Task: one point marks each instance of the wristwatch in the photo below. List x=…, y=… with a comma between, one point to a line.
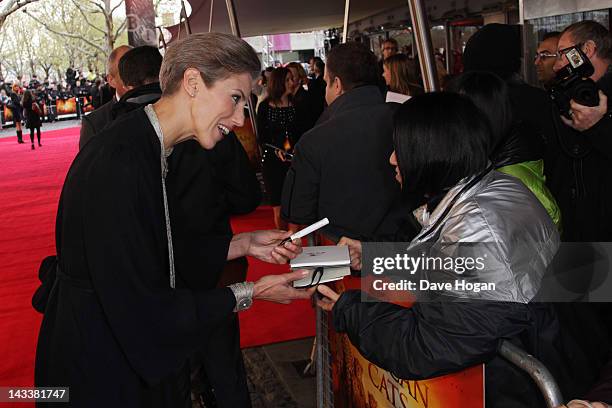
x=243, y=292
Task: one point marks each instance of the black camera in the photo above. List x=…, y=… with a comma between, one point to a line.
x=573, y=82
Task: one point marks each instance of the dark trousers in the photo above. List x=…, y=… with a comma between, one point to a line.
x=37, y=134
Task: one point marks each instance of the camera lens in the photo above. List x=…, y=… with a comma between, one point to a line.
x=585, y=93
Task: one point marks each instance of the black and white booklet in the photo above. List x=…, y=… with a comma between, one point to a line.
x=325, y=263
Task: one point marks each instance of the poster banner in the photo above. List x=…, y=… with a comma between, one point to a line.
x=246, y=135
x=358, y=383
x=66, y=106
x=141, y=22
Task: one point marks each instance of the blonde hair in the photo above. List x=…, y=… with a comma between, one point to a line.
x=215, y=55
x=403, y=75
x=300, y=69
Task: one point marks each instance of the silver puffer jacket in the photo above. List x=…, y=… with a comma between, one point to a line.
x=500, y=220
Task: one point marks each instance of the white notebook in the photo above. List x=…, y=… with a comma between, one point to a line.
x=315, y=256
x=334, y=260
x=396, y=97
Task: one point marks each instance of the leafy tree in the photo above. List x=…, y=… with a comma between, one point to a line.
x=8, y=7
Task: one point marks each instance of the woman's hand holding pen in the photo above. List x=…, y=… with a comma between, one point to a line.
x=264, y=245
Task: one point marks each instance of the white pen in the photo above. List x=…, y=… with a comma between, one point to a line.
x=302, y=233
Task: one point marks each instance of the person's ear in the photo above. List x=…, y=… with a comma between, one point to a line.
x=589, y=48
x=110, y=78
x=191, y=81
x=337, y=85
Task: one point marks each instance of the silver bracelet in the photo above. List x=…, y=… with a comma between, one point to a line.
x=243, y=292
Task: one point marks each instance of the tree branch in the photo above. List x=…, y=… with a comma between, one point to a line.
x=116, y=7
x=69, y=35
x=98, y=5
x=11, y=8
x=14, y=7
x=78, y=7
x=121, y=28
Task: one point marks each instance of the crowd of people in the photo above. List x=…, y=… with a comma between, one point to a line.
x=34, y=102
x=137, y=294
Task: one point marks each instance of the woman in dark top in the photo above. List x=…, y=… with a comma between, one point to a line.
x=307, y=115
x=119, y=323
x=32, y=112
x=15, y=106
x=279, y=131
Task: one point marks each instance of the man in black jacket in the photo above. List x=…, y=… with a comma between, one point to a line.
x=98, y=119
x=341, y=167
x=316, y=87
x=579, y=158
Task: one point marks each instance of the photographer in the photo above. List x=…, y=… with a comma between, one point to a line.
x=81, y=91
x=34, y=83
x=51, y=102
x=579, y=158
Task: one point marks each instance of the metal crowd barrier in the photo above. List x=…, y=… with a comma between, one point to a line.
x=536, y=370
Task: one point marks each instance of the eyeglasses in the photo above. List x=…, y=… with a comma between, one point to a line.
x=544, y=55
x=564, y=51
x=389, y=49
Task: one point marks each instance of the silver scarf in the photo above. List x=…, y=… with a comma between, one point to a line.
x=164, y=171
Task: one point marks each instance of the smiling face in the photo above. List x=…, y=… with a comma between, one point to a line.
x=218, y=109
x=545, y=60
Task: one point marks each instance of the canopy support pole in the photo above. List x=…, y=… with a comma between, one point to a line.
x=448, y=42
x=210, y=18
x=347, y=9
x=186, y=17
x=231, y=13
x=422, y=34
x=161, y=39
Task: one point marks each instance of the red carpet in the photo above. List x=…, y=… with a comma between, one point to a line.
x=30, y=184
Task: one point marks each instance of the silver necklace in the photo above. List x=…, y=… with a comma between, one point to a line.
x=164, y=172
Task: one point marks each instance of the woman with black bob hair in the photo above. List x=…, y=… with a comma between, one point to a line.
x=432, y=159
x=441, y=143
